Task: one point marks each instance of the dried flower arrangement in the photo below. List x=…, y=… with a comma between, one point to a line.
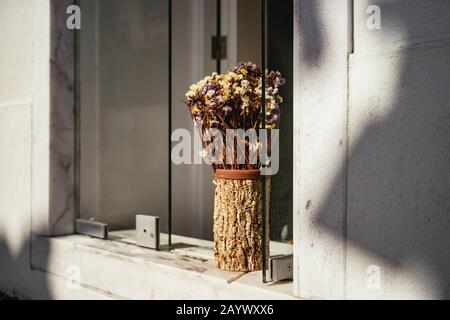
x=233, y=101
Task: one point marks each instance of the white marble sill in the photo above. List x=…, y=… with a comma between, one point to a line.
x=119, y=269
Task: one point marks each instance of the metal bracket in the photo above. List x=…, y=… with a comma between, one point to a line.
x=147, y=231
x=92, y=228
x=219, y=48
x=281, y=267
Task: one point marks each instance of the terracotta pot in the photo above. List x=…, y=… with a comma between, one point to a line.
x=238, y=220
x=237, y=174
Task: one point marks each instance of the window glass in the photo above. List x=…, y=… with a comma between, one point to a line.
x=123, y=110
x=124, y=114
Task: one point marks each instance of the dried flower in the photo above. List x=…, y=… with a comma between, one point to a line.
x=233, y=101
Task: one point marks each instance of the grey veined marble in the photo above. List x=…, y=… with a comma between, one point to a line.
x=53, y=120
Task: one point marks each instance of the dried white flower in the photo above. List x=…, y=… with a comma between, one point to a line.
x=254, y=146
x=203, y=153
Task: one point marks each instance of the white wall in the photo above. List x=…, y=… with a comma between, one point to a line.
x=16, y=276
x=15, y=141
x=399, y=146
x=320, y=105
x=378, y=209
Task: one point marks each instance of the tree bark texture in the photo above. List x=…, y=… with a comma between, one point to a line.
x=238, y=224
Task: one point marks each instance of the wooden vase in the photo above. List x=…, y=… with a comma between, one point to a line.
x=238, y=220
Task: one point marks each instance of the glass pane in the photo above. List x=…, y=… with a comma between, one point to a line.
x=279, y=57
x=123, y=113
x=239, y=25
x=124, y=108
x=239, y=22
x=192, y=188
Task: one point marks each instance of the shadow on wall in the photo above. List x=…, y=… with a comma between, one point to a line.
x=398, y=174
x=15, y=271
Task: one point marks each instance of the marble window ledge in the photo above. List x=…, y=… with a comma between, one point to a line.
x=119, y=269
